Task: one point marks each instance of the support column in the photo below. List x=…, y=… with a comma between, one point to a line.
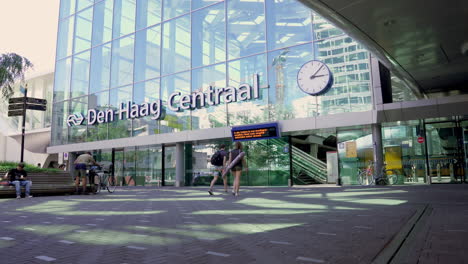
x=378, y=148
x=180, y=168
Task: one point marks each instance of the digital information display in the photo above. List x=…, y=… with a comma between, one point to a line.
x=255, y=132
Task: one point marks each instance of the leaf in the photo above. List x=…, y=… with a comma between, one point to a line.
x=12, y=69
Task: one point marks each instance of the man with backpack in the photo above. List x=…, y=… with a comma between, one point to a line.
x=217, y=160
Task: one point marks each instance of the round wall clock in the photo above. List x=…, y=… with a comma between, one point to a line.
x=314, y=78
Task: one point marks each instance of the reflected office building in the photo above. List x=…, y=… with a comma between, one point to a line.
x=155, y=86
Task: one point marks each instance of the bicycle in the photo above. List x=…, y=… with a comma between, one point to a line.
x=103, y=180
x=385, y=177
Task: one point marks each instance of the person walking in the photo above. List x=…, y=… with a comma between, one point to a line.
x=218, y=160
x=236, y=164
x=19, y=177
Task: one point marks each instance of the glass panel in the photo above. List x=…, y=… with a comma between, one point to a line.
x=80, y=74
x=146, y=92
x=174, y=8
x=99, y=102
x=196, y=4
x=445, y=152
x=147, y=55
x=355, y=152
x=209, y=116
x=351, y=76
x=142, y=168
x=65, y=37
x=288, y=23
x=287, y=100
x=62, y=80
x=102, y=22
x=155, y=165
x=324, y=29
x=243, y=71
x=122, y=61
x=246, y=28
x=208, y=36
x=100, y=68
x=67, y=7
x=129, y=167
x=402, y=152
x=148, y=13
x=119, y=166
x=82, y=4
x=77, y=134
x=120, y=128
x=59, y=123
x=124, y=18
x=175, y=121
x=169, y=166
x=176, y=45
x=83, y=30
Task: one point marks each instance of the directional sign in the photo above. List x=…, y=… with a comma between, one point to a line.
x=36, y=107
x=16, y=100
x=32, y=100
x=15, y=106
x=15, y=113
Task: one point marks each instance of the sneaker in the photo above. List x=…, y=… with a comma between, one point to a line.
x=18, y=197
x=210, y=192
x=237, y=194
x=233, y=193
x=29, y=196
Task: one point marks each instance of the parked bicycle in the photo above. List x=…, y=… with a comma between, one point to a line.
x=103, y=179
x=368, y=176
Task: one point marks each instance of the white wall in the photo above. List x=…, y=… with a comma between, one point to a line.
x=10, y=150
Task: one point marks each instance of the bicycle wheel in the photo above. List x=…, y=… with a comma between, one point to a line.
x=363, y=178
x=111, y=182
x=392, y=177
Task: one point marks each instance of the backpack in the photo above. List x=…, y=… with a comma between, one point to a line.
x=217, y=159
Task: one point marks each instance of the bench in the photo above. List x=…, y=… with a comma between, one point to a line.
x=44, y=183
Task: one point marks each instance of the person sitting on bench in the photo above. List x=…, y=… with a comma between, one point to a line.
x=19, y=177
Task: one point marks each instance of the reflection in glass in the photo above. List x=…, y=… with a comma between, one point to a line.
x=175, y=121
x=146, y=92
x=65, y=37
x=324, y=29
x=176, y=45
x=209, y=116
x=102, y=22
x=122, y=61
x=80, y=74
x=174, y=8
x=287, y=100
x=124, y=18
x=67, y=8
x=100, y=68
x=83, y=30
x=99, y=102
x=169, y=165
x=81, y=4
x=246, y=28
x=120, y=128
x=62, y=80
x=196, y=4
x=77, y=134
x=208, y=36
x=148, y=13
x=147, y=54
x=129, y=169
x=243, y=71
x=59, y=129
x=289, y=23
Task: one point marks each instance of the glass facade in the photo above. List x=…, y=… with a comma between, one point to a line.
x=112, y=52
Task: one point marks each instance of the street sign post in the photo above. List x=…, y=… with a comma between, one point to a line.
x=17, y=107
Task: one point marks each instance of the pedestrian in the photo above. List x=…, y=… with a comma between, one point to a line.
x=81, y=164
x=19, y=177
x=218, y=160
x=236, y=164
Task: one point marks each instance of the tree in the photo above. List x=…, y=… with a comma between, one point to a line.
x=12, y=69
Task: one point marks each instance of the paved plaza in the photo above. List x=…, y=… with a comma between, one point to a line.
x=326, y=224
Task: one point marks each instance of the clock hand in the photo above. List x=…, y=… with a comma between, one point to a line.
x=317, y=71
x=315, y=76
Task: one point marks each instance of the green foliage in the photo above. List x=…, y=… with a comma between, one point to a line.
x=12, y=69
x=8, y=165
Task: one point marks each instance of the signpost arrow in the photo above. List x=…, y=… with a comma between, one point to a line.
x=15, y=113
x=16, y=100
x=15, y=106
x=38, y=101
x=36, y=107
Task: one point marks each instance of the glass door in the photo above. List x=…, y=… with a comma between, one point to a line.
x=446, y=153
x=169, y=165
x=464, y=127
x=118, y=161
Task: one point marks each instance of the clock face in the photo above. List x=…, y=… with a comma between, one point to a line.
x=314, y=78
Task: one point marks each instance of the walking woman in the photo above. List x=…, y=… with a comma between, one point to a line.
x=237, y=163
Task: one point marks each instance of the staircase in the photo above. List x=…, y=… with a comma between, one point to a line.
x=306, y=169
